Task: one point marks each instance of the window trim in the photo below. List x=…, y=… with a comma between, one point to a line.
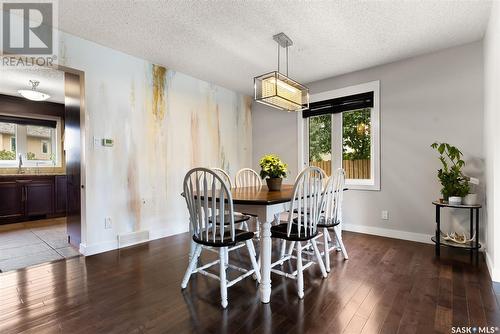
x=37, y=163
x=303, y=131
x=13, y=144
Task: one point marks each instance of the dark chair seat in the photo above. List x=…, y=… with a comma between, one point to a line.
x=280, y=231
x=328, y=223
x=239, y=236
x=238, y=218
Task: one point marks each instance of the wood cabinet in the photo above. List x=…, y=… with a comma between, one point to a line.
x=25, y=197
x=11, y=204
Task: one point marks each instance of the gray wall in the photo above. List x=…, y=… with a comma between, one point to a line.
x=434, y=97
x=492, y=139
x=274, y=131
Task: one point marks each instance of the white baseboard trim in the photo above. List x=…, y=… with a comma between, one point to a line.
x=390, y=233
x=494, y=273
x=91, y=249
x=106, y=246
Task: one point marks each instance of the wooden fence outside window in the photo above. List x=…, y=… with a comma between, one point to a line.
x=354, y=169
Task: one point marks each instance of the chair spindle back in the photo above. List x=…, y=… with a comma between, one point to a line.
x=247, y=177
x=208, y=196
x=307, y=202
x=334, y=192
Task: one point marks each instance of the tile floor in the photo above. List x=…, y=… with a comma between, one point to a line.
x=34, y=243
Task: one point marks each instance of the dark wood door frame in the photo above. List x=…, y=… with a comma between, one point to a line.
x=74, y=92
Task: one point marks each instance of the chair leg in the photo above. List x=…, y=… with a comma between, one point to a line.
x=192, y=248
x=300, y=272
x=319, y=258
x=222, y=275
x=192, y=266
x=290, y=249
x=326, y=248
x=251, y=251
x=283, y=249
x=226, y=258
x=338, y=236
x=257, y=228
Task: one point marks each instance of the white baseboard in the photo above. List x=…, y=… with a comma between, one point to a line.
x=390, y=233
x=91, y=249
x=494, y=272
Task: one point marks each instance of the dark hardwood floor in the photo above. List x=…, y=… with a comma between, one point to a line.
x=387, y=286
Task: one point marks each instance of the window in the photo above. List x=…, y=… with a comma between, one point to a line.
x=36, y=140
x=45, y=147
x=341, y=129
x=7, y=141
x=13, y=144
x=356, y=144
x=320, y=142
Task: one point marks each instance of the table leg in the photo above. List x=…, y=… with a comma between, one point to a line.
x=477, y=236
x=265, y=256
x=438, y=230
x=471, y=232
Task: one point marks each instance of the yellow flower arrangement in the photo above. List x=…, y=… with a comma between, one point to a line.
x=272, y=167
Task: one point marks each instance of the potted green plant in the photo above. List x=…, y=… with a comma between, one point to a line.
x=455, y=184
x=273, y=170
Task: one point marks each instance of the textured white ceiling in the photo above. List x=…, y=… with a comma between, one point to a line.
x=230, y=42
x=51, y=81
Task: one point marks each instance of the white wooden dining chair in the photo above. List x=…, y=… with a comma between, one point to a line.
x=331, y=218
x=212, y=223
x=240, y=217
x=224, y=175
x=301, y=226
x=247, y=177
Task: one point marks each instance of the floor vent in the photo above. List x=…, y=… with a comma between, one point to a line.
x=133, y=238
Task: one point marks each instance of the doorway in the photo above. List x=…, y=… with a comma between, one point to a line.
x=40, y=167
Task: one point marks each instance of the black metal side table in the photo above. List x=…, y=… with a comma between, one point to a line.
x=473, y=245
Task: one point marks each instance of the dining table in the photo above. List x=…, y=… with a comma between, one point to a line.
x=266, y=205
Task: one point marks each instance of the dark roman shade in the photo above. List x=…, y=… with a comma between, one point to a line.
x=28, y=121
x=340, y=104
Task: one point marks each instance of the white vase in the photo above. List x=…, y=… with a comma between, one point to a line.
x=470, y=199
x=455, y=200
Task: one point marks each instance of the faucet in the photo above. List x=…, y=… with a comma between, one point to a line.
x=19, y=169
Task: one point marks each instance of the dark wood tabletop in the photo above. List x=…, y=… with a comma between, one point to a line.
x=262, y=195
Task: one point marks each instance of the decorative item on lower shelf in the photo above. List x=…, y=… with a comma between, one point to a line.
x=273, y=170
x=457, y=238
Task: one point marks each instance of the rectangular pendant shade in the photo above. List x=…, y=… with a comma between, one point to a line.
x=279, y=91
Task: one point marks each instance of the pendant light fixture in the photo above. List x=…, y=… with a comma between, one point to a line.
x=276, y=89
x=32, y=94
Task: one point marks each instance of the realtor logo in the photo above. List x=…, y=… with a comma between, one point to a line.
x=27, y=28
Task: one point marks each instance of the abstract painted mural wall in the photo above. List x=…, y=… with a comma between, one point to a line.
x=163, y=123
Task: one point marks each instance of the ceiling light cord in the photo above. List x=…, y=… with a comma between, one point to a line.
x=286, y=58
x=278, y=58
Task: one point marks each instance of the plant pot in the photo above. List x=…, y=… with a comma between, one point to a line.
x=470, y=199
x=274, y=184
x=455, y=200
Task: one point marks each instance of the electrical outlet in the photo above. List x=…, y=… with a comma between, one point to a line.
x=385, y=215
x=107, y=223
